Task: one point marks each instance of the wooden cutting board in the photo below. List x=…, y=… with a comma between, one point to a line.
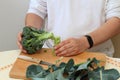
x=19, y=68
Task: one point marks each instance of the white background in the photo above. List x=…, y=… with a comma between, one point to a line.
x=12, y=14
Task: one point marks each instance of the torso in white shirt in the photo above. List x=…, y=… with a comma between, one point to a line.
x=75, y=18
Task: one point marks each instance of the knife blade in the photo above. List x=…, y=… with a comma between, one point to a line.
x=35, y=60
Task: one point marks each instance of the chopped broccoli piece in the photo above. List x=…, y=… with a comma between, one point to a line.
x=33, y=39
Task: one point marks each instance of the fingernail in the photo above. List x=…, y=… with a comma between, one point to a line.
x=24, y=51
x=55, y=47
x=20, y=47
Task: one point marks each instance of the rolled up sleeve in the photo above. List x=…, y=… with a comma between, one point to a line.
x=38, y=7
x=112, y=8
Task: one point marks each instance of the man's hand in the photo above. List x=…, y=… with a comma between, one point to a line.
x=19, y=39
x=72, y=46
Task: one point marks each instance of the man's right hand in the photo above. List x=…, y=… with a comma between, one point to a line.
x=19, y=39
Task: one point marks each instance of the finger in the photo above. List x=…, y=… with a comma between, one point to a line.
x=19, y=42
x=69, y=52
x=63, y=48
x=61, y=44
x=64, y=52
x=73, y=53
x=24, y=51
x=68, y=55
x=19, y=36
x=20, y=47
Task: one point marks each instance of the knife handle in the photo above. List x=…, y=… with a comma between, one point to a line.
x=31, y=59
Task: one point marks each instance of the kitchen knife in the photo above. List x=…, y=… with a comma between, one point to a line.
x=35, y=60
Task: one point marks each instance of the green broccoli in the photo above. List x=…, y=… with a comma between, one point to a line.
x=34, y=39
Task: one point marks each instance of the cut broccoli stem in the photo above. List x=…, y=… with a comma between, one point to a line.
x=56, y=40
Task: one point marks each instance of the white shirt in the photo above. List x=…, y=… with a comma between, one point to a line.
x=75, y=18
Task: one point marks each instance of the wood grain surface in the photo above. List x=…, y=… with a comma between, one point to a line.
x=18, y=70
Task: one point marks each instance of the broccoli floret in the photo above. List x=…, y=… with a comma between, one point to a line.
x=34, y=39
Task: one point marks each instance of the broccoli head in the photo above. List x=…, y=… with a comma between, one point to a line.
x=34, y=39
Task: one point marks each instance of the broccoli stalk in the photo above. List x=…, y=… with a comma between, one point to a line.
x=33, y=39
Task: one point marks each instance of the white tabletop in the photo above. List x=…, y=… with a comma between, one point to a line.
x=7, y=59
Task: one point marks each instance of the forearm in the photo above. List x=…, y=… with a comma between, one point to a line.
x=33, y=20
x=106, y=31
